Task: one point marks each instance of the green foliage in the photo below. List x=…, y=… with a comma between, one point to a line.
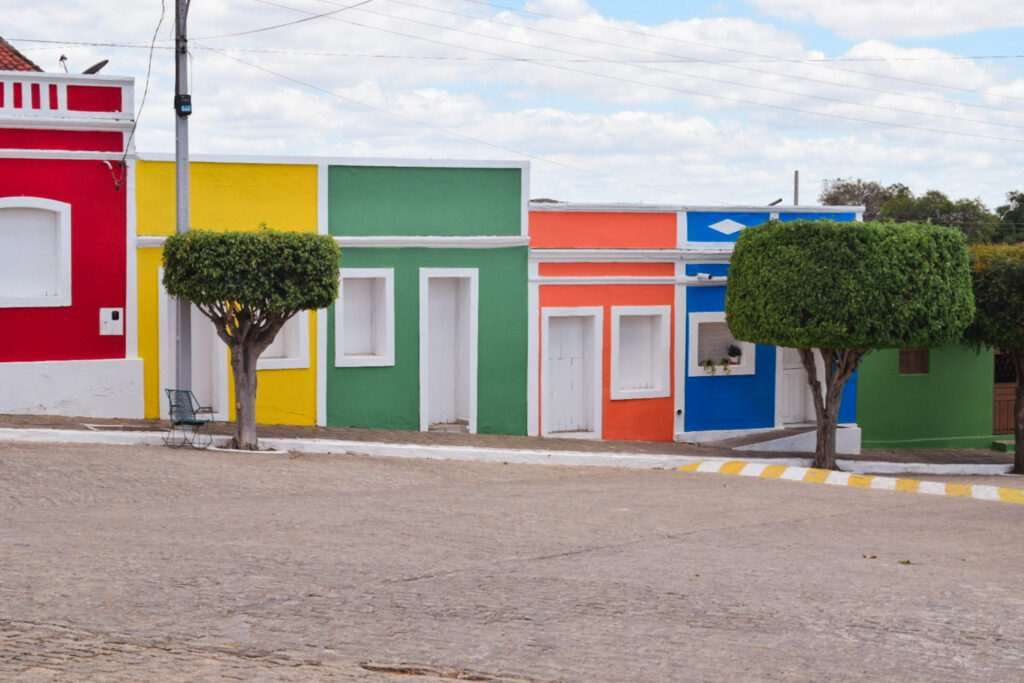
x=270, y=271
x=867, y=193
x=1011, y=218
x=997, y=272
x=822, y=284
x=970, y=216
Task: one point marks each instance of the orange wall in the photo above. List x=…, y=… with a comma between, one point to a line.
x=607, y=269
x=646, y=419
x=585, y=230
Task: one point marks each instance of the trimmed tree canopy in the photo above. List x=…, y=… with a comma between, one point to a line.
x=265, y=269
x=822, y=284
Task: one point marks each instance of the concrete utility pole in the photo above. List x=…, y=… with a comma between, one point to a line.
x=182, y=109
x=796, y=188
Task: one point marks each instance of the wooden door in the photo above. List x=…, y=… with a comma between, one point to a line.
x=568, y=396
x=1005, y=394
x=797, y=406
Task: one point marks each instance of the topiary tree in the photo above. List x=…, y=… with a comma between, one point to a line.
x=837, y=290
x=997, y=272
x=250, y=284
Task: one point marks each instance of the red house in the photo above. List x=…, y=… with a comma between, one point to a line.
x=66, y=243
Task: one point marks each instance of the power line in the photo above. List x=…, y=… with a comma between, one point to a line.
x=648, y=34
x=906, y=126
x=699, y=60
x=440, y=129
x=287, y=23
x=149, y=71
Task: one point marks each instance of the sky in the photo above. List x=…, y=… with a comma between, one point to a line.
x=652, y=101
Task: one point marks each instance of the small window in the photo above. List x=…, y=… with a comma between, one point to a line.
x=714, y=351
x=913, y=361
x=364, y=318
x=35, y=253
x=640, y=352
x=290, y=348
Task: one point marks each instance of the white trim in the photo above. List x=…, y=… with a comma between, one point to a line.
x=693, y=367
x=131, y=303
x=714, y=280
x=61, y=154
x=719, y=247
x=778, y=387
x=322, y=224
x=336, y=161
x=150, y=241
x=679, y=369
x=597, y=349
x=90, y=124
x=64, y=263
x=297, y=328
x=682, y=225
x=524, y=201
x=387, y=355
x=473, y=275
x=105, y=388
x=433, y=241
x=532, y=353
x=672, y=208
x=660, y=357
x=696, y=252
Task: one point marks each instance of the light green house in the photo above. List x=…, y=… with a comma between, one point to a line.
x=430, y=327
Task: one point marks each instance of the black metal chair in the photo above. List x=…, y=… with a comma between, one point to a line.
x=187, y=425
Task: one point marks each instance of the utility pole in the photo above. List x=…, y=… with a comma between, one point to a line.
x=796, y=188
x=182, y=110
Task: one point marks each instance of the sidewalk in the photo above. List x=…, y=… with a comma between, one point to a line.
x=493, y=447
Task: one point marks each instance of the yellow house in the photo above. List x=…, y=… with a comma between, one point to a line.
x=225, y=195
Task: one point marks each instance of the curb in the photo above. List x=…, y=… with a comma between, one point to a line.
x=833, y=478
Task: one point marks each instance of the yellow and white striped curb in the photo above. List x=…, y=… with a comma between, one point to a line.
x=752, y=469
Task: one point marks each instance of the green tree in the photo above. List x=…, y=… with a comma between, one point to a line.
x=867, y=193
x=250, y=284
x=970, y=216
x=835, y=291
x=1011, y=218
x=997, y=273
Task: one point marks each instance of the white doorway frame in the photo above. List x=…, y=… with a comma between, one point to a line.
x=810, y=417
x=596, y=315
x=473, y=275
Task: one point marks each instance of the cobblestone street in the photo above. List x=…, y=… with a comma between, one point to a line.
x=145, y=563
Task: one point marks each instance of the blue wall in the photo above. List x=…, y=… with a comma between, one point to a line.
x=842, y=217
x=727, y=401
x=697, y=223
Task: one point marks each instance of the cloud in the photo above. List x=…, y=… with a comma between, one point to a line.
x=885, y=19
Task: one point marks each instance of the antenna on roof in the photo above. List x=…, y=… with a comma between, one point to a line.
x=95, y=68
x=64, y=62
x=777, y=201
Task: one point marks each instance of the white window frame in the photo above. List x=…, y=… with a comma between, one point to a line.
x=660, y=363
x=63, y=210
x=295, y=335
x=694, y=369
x=387, y=355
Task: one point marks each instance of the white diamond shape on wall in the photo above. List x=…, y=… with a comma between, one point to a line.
x=727, y=227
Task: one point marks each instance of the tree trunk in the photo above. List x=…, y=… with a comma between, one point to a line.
x=839, y=365
x=243, y=365
x=1018, y=416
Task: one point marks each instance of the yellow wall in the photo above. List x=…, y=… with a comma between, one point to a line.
x=227, y=197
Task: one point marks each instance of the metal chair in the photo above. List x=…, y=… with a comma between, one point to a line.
x=187, y=427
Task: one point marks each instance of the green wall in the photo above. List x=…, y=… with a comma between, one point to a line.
x=388, y=397
x=949, y=407
x=388, y=200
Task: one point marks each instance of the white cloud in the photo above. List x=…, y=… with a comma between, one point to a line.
x=703, y=111
x=886, y=19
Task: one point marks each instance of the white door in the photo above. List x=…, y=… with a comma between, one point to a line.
x=568, y=398
x=449, y=349
x=796, y=402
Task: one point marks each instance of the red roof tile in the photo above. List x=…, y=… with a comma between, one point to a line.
x=12, y=60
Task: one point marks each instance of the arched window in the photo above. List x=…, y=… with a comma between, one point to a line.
x=35, y=252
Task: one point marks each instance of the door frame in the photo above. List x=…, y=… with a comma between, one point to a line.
x=473, y=275
x=596, y=315
x=819, y=363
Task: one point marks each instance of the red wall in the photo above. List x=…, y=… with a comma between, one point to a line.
x=98, y=225
x=584, y=229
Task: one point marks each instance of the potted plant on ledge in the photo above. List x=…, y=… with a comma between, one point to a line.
x=735, y=354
